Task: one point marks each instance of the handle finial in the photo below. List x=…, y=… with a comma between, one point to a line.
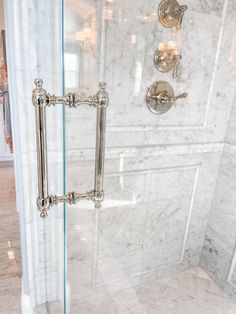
x=38, y=83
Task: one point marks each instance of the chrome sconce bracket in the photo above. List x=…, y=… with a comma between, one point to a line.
x=41, y=99
x=167, y=60
x=160, y=97
x=171, y=13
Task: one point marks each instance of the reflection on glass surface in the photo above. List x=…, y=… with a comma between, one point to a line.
x=71, y=67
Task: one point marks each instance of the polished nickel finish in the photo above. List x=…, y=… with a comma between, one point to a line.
x=160, y=97
x=171, y=13
x=71, y=100
x=39, y=95
x=100, y=143
x=167, y=60
x=41, y=99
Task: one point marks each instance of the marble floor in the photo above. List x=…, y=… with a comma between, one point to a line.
x=10, y=266
x=189, y=292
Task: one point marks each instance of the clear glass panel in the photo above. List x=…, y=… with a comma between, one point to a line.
x=163, y=174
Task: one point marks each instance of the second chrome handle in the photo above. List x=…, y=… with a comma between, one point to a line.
x=160, y=97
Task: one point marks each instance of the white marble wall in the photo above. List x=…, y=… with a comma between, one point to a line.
x=144, y=228
x=33, y=31
x=219, y=255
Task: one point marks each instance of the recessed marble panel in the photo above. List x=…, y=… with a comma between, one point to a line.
x=171, y=184
x=120, y=242
x=80, y=250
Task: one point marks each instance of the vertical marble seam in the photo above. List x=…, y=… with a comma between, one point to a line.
x=95, y=246
x=195, y=184
x=102, y=30
x=217, y=56
x=232, y=269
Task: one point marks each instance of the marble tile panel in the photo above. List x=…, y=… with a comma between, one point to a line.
x=206, y=6
x=171, y=184
x=215, y=258
x=80, y=251
x=223, y=218
x=120, y=242
x=205, y=120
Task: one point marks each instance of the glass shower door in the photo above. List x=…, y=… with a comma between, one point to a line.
x=160, y=170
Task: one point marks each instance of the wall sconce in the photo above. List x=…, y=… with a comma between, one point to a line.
x=171, y=13
x=167, y=58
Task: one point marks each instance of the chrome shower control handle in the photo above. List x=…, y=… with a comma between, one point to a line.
x=167, y=60
x=171, y=13
x=176, y=66
x=183, y=95
x=160, y=97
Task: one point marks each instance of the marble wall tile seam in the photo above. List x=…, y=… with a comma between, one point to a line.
x=217, y=58
x=153, y=170
x=129, y=151
x=232, y=270
x=191, y=207
x=144, y=128
x=154, y=150
x=138, y=274
x=229, y=148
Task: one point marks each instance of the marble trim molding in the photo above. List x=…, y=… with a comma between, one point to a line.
x=195, y=167
x=6, y=158
x=130, y=151
x=155, y=150
x=229, y=148
x=232, y=270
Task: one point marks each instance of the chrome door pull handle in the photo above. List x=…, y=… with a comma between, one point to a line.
x=41, y=99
